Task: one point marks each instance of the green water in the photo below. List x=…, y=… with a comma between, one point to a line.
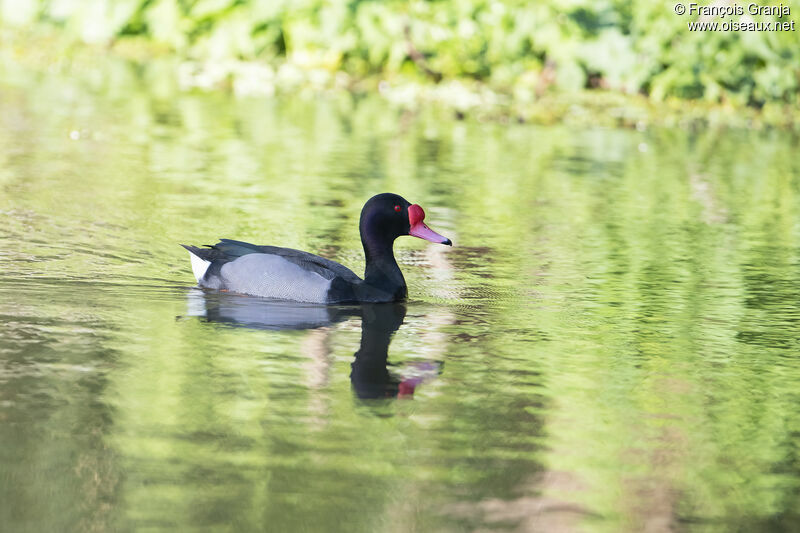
x=611, y=344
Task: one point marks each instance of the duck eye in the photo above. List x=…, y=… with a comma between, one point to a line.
x=397, y=208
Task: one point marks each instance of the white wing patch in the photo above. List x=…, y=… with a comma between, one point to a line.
x=199, y=266
x=272, y=276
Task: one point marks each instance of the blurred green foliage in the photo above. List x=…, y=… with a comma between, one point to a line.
x=517, y=47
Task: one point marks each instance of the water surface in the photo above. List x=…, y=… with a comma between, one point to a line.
x=611, y=344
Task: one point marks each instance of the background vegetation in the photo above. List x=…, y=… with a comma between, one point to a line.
x=468, y=53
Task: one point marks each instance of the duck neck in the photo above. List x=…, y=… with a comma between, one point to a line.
x=382, y=271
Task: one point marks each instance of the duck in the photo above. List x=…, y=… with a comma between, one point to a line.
x=293, y=275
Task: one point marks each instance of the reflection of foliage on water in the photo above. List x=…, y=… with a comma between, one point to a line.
x=522, y=50
x=617, y=318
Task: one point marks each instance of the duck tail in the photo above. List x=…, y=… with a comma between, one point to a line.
x=201, y=260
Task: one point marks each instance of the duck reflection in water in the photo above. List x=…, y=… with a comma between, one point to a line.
x=370, y=374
